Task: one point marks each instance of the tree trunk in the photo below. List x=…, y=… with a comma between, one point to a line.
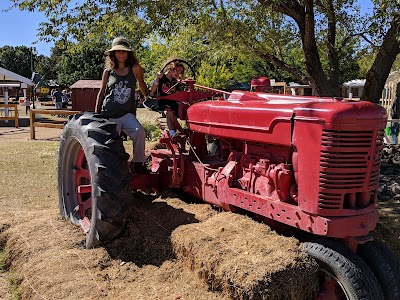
x=305, y=19
x=379, y=72
x=333, y=57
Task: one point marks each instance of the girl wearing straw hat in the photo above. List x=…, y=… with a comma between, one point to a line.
x=116, y=98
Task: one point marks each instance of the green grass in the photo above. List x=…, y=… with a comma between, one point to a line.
x=28, y=171
x=150, y=125
x=15, y=291
x=153, y=131
x=2, y=261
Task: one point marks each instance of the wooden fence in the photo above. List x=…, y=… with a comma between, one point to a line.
x=12, y=113
x=48, y=124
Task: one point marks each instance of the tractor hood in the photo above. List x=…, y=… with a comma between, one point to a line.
x=263, y=117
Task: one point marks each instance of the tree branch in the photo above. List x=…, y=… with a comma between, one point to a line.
x=303, y=78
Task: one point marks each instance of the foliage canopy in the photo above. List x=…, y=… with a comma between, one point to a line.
x=310, y=41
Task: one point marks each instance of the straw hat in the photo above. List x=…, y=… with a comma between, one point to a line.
x=120, y=43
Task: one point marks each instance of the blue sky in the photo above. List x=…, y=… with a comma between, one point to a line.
x=20, y=28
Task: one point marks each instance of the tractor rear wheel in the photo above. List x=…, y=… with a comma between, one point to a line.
x=385, y=265
x=93, y=178
x=342, y=274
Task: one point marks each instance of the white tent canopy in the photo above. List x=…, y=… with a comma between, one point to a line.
x=11, y=79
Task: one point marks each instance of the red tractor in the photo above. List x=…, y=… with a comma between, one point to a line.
x=306, y=163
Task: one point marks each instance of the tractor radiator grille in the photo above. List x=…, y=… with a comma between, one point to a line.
x=350, y=161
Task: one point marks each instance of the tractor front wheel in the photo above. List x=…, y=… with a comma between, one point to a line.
x=342, y=274
x=93, y=178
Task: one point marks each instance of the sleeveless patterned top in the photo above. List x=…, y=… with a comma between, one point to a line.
x=119, y=95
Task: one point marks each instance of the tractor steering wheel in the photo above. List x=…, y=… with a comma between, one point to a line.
x=180, y=85
x=183, y=62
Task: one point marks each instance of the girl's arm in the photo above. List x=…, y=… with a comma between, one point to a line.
x=100, y=95
x=138, y=72
x=156, y=82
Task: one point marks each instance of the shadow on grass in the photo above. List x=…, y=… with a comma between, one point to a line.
x=22, y=122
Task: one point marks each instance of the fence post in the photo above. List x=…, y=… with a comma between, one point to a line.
x=16, y=115
x=32, y=123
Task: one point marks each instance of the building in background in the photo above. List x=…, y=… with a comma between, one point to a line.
x=301, y=89
x=84, y=94
x=353, y=89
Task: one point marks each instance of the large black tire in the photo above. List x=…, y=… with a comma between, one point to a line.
x=93, y=178
x=343, y=275
x=385, y=265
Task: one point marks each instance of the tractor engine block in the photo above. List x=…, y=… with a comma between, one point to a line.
x=309, y=162
x=265, y=178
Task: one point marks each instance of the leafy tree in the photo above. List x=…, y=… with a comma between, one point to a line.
x=396, y=64
x=194, y=48
x=20, y=60
x=326, y=31
x=16, y=59
x=386, y=52
x=314, y=41
x=183, y=45
x=46, y=67
x=214, y=75
x=81, y=63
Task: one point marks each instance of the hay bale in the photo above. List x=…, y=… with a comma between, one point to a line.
x=246, y=259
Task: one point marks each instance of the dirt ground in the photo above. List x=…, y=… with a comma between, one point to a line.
x=46, y=259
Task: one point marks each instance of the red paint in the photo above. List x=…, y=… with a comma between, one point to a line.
x=308, y=162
